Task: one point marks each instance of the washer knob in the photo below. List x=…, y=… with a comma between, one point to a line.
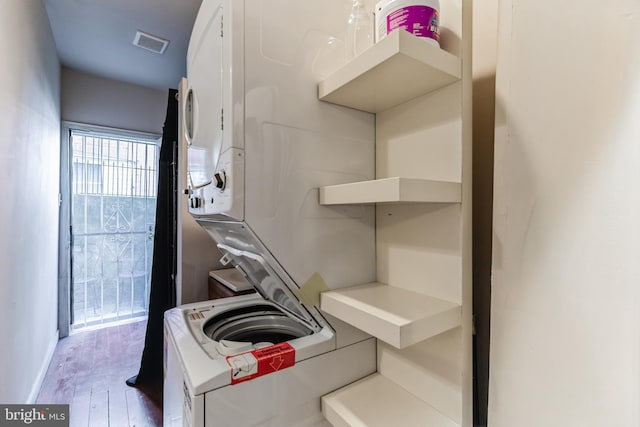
x=221, y=180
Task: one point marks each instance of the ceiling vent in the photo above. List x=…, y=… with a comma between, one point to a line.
x=150, y=42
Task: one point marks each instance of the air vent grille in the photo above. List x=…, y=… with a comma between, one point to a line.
x=150, y=42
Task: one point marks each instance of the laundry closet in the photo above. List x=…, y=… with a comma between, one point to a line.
x=341, y=191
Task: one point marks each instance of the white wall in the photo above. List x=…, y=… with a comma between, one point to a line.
x=199, y=256
x=198, y=253
x=566, y=273
x=29, y=162
x=97, y=101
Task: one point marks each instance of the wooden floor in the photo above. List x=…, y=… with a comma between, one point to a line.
x=88, y=371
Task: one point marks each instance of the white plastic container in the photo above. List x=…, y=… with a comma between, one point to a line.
x=419, y=17
x=359, y=30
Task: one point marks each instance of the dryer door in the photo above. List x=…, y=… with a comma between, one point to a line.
x=203, y=107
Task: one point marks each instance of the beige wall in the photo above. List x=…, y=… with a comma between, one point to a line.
x=199, y=256
x=29, y=162
x=565, y=336
x=95, y=100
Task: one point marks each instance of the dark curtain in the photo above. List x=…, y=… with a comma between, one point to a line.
x=163, y=271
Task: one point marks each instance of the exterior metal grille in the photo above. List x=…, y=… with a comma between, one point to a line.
x=114, y=190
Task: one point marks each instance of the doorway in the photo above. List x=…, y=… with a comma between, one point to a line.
x=113, y=188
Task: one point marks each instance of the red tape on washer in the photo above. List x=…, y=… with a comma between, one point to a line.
x=261, y=361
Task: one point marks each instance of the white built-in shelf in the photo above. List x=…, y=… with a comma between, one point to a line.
x=396, y=69
x=392, y=190
x=376, y=401
x=396, y=316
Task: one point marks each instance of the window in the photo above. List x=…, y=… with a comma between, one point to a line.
x=114, y=190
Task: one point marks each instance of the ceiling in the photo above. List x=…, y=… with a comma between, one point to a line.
x=95, y=37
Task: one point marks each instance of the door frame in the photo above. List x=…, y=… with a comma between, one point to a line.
x=64, y=236
x=65, y=272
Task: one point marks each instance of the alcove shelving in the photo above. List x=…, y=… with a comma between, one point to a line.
x=420, y=308
x=376, y=401
x=396, y=316
x=391, y=190
x=398, y=68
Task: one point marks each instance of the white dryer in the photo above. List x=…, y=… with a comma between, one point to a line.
x=260, y=144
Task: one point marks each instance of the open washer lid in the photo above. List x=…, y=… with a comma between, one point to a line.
x=267, y=282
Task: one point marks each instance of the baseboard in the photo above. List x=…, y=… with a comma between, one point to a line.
x=35, y=390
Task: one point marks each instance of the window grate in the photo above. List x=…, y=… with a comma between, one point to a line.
x=114, y=191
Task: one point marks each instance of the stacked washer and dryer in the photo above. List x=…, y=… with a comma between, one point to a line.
x=259, y=146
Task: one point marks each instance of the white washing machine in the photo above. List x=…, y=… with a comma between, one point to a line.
x=259, y=145
x=253, y=360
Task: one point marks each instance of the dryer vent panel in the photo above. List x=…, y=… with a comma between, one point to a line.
x=150, y=42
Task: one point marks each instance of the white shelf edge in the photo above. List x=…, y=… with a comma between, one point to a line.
x=392, y=190
x=376, y=401
x=396, y=316
x=396, y=69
